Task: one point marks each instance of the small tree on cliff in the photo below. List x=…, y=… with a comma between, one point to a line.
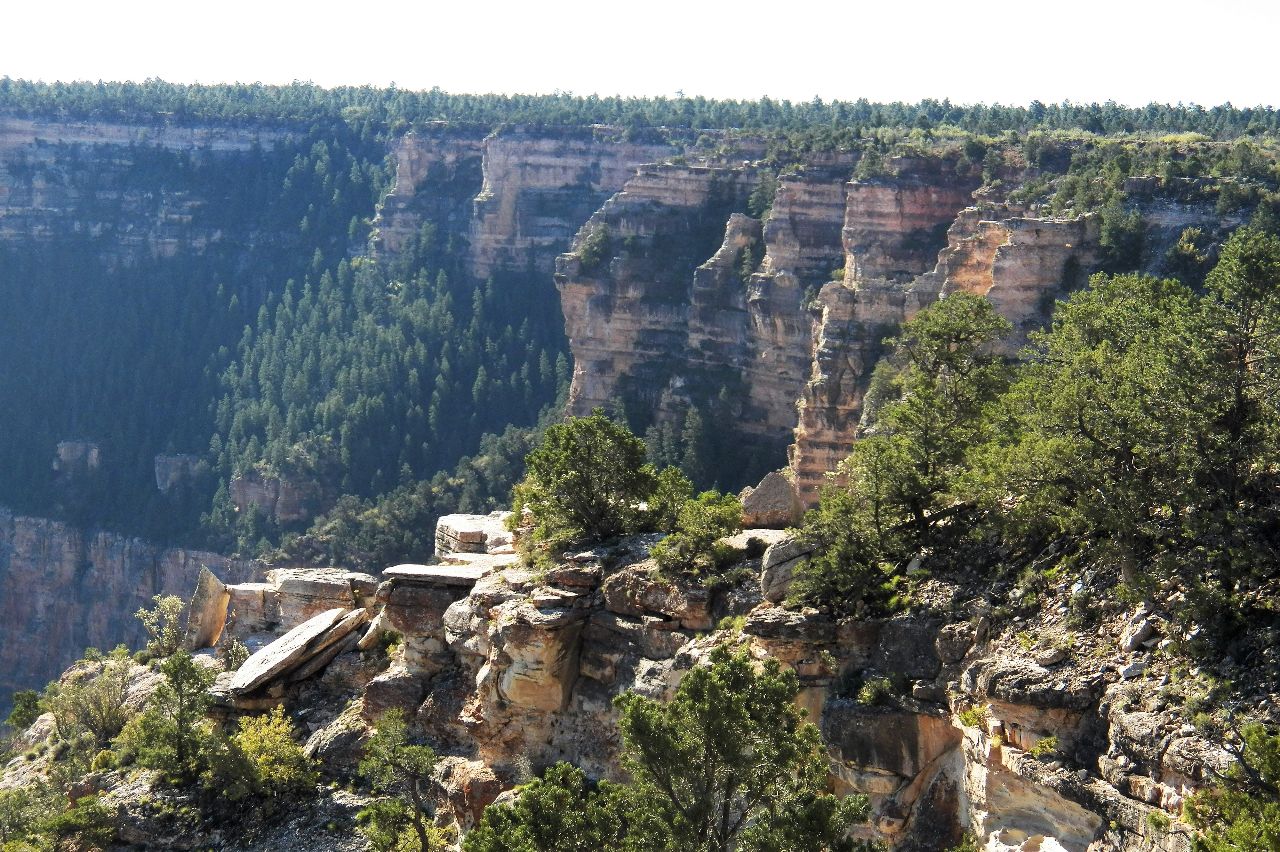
x=172, y=734
x=395, y=765
x=586, y=482
x=731, y=764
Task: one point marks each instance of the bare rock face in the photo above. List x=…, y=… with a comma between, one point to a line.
x=803, y=251
x=515, y=197
x=1020, y=264
x=295, y=649
x=207, y=612
x=626, y=285
x=173, y=471
x=672, y=315
x=43, y=195
x=279, y=498
x=893, y=228
x=437, y=174
x=539, y=187
x=639, y=592
x=81, y=589
x=778, y=567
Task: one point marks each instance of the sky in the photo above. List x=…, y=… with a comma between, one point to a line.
x=1129, y=51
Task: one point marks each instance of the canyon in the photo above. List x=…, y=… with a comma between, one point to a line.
x=674, y=296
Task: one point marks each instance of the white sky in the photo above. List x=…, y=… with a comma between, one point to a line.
x=1130, y=51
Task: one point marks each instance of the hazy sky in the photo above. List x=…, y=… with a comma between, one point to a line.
x=1082, y=50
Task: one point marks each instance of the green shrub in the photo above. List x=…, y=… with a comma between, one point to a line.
x=1242, y=812
x=594, y=248
x=974, y=717
x=1044, y=746
x=163, y=623
x=875, y=691
x=234, y=655
x=279, y=766
x=87, y=822
x=394, y=764
x=701, y=522
x=92, y=701
x=26, y=709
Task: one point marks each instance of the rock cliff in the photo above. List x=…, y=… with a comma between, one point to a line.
x=514, y=198
x=67, y=589
x=59, y=178
x=1036, y=734
x=785, y=316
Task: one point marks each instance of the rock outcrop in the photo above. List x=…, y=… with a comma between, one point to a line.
x=282, y=499
x=539, y=187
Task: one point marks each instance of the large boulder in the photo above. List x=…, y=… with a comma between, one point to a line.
x=207, y=613
x=773, y=504
x=778, y=567
x=638, y=590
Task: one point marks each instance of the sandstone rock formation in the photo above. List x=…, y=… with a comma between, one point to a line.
x=515, y=197
x=280, y=498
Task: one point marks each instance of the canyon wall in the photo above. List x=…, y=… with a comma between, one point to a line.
x=66, y=589
x=77, y=178
x=515, y=198
x=786, y=316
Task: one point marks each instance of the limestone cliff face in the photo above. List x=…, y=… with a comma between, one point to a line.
x=650, y=294
x=802, y=251
x=516, y=198
x=674, y=314
x=663, y=314
x=539, y=188
x=71, y=177
x=66, y=589
x=437, y=173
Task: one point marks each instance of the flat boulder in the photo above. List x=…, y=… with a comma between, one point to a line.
x=462, y=576
x=286, y=652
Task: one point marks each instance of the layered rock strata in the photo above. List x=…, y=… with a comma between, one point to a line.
x=62, y=177
x=539, y=187
x=513, y=198
x=948, y=725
